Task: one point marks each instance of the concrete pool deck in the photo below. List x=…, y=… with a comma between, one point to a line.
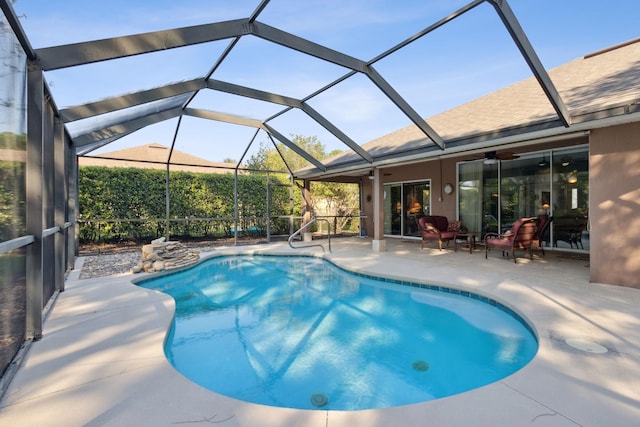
x=101, y=362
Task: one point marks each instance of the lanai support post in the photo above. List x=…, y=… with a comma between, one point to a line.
x=306, y=209
x=34, y=189
x=167, y=203
x=61, y=191
x=235, y=207
x=378, y=243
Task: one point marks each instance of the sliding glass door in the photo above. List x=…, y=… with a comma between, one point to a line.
x=404, y=203
x=493, y=195
x=570, y=203
x=524, y=189
x=478, y=201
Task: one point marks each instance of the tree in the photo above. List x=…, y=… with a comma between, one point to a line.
x=334, y=199
x=339, y=200
x=271, y=158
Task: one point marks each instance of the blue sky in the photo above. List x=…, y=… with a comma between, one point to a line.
x=465, y=59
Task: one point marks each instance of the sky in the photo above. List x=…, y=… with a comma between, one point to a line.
x=469, y=57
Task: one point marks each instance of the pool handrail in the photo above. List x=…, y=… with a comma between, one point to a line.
x=307, y=225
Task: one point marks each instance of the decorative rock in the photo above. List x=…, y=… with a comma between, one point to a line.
x=161, y=255
x=136, y=269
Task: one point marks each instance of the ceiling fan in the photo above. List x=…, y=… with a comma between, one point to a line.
x=492, y=157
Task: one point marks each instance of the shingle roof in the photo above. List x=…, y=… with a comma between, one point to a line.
x=601, y=81
x=154, y=156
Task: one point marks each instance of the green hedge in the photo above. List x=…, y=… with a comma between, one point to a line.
x=138, y=196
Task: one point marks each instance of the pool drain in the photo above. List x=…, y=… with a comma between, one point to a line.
x=319, y=400
x=420, y=365
x=586, y=345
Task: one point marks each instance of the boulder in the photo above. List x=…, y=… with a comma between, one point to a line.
x=161, y=255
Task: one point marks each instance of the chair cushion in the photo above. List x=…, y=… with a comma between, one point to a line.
x=454, y=226
x=439, y=222
x=515, y=226
x=444, y=235
x=499, y=243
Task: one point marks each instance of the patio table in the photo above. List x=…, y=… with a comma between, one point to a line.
x=470, y=239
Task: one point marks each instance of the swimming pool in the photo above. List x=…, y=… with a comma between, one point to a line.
x=299, y=332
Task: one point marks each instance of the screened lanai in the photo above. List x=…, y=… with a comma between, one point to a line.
x=233, y=43
x=219, y=81
x=232, y=72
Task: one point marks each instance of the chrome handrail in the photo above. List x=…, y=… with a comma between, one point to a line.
x=307, y=225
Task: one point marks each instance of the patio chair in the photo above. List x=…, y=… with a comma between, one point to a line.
x=543, y=223
x=520, y=236
x=436, y=227
x=568, y=227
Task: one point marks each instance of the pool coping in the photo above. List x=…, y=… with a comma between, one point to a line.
x=111, y=380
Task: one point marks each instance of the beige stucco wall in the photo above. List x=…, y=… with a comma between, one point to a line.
x=441, y=204
x=614, y=188
x=432, y=170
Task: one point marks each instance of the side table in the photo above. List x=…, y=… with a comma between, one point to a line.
x=470, y=238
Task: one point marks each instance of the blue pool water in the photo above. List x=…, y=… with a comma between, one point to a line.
x=299, y=332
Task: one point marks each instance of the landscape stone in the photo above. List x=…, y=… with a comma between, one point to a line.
x=161, y=255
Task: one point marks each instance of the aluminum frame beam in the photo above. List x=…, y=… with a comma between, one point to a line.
x=70, y=55
x=117, y=120
x=124, y=128
x=307, y=47
x=290, y=102
x=263, y=4
x=116, y=103
x=244, y=121
x=106, y=49
x=404, y=106
x=294, y=147
x=427, y=30
x=247, y=92
x=310, y=48
x=222, y=117
x=336, y=132
x=397, y=47
x=14, y=22
x=531, y=57
x=125, y=101
x=92, y=146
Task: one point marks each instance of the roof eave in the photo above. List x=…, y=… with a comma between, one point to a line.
x=530, y=134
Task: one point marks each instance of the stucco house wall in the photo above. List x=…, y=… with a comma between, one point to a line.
x=614, y=186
